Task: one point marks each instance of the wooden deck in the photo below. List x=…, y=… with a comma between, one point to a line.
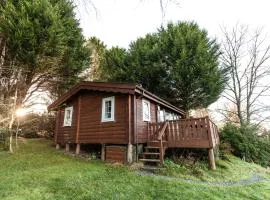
x=185, y=133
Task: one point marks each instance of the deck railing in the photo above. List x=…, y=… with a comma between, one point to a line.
x=154, y=130
x=186, y=133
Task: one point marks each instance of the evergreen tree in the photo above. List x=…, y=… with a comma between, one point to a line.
x=44, y=43
x=42, y=48
x=178, y=63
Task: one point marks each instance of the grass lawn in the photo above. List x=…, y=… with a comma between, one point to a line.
x=232, y=169
x=37, y=171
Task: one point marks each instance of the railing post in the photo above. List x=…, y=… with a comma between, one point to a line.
x=161, y=152
x=210, y=137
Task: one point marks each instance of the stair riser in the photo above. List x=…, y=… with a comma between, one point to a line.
x=151, y=157
x=156, y=144
x=150, y=160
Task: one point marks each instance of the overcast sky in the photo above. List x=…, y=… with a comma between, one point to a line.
x=118, y=22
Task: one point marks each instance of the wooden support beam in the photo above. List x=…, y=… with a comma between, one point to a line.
x=211, y=158
x=78, y=119
x=103, y=152
x=135, y=135
x=129, y=153
x=67, y=147
x=57, y=146
x=58, y=115
x=129, y=119
x=210, y=132
x=78, y=148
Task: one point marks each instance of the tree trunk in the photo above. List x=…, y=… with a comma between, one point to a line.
x=11, y=122
x=17, y=130
x=10, y=133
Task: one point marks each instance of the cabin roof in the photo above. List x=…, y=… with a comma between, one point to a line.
x=125, y=88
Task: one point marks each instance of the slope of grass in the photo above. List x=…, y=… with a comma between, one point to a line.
x=38, y=171
x=232, y=169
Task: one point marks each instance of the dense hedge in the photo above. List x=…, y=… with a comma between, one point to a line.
x=245, y=143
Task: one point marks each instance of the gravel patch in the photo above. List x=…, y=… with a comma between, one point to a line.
x=255, y=178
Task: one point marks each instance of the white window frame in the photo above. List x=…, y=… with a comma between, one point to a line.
x=148, y=110
x=160, y=114
x=68, y=122
x=103, y=116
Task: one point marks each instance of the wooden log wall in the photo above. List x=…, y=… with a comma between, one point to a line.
x=92, y=130
x=116, y=154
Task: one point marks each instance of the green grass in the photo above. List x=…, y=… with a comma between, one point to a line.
x=232, y=169
x=38, y=171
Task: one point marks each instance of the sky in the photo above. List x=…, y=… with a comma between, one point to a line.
x=118, y=22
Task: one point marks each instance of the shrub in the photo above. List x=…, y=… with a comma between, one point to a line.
x=244, y=142
x=184, y=168
x=35, y=125
x=188, y=162
x=4, y=135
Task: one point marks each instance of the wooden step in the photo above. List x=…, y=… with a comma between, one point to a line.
x=150, y=153
x=149, y=160
x=151, y=147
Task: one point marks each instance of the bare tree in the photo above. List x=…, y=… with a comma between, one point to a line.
x=246, y=56
x=97, y=50
x=90, y=6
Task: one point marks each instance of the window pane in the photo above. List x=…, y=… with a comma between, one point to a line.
x=161, y=115
x=67, y=114
x=146, y=108
x=108, y=109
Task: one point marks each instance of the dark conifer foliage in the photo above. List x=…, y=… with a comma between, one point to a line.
x=178, y=62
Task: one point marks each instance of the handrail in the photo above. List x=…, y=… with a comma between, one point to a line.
x=162, y=131
x=214, y=132
x=213, y=122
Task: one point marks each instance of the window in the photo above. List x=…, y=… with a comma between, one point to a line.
x=160, y=114
x=107, y=109
x=68, y=116
x=146, y=110
x=168, y=116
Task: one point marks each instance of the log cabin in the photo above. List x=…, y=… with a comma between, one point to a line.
x=127, y=121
